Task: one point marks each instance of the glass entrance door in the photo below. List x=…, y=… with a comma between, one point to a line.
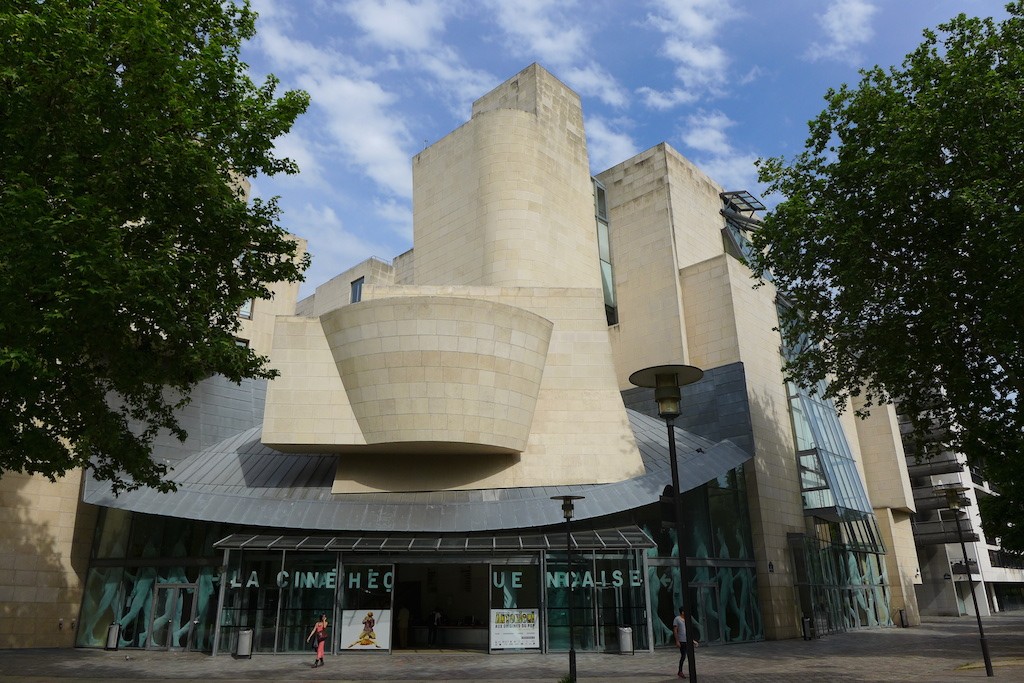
x=172, y=622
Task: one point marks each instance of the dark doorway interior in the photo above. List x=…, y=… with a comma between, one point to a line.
x=458, y=591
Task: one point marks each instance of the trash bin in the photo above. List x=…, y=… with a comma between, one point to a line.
x=113, y=636
x=806, y=628
x=244, y=646
x=903, y=618
x=625, y=640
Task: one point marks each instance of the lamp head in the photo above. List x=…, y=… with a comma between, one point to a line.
x=666, y=380
x=567, y=504
x=954, y=495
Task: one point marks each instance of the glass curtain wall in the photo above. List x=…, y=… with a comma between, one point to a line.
x=722, y=581
x=607, y=593
x=154, y=578
x=842, y=585
x=840, y=569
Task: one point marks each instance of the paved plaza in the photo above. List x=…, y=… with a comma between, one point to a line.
x=942, y=649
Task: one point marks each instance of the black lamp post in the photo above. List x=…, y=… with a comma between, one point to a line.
x=567, y=508
x=666, y=380
x=955, y=502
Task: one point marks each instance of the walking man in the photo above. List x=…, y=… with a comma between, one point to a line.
x=679, y=630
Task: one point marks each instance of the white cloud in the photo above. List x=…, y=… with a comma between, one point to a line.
x=355, y=118
x=691, y=28
x=359, y=121
x=288, y=54
x=706, y=132
x=337, y=246
x=592, y=80
x=847, y=25
x=607, y=147
x=415, y=29
x=550, y=32
x=697, y=19
x=399, y=24
x=548, y=29
x=734, y=172
x=301, y=150
x=461, y=83
x=396, y=214
x=662, y=101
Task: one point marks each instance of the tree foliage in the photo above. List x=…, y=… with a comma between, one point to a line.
x=126, y=243
x=899, y=243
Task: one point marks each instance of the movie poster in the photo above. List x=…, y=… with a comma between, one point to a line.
x=515, y=629
x=365, y=629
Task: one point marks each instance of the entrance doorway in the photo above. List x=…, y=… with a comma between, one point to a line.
x=172, y=620
x=458, y=591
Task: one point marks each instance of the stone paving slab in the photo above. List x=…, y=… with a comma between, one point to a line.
x=942, y=649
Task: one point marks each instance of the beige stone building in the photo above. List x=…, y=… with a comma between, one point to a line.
x=429, y=408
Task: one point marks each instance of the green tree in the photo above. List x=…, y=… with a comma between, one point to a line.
x=899, y=242
x=126, y=244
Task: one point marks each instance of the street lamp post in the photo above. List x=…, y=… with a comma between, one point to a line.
x=666, y=380
x=567, y=508
x=955, y=502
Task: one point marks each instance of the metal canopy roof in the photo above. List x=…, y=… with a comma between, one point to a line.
x=742, y=201
x=238, y=480
x=625, y=538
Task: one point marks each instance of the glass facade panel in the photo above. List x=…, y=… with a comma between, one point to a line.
x=112, y=534
x=251, y=600
x=605, y=254
x=308, y=584
x=619, y=599
x=366, y=602
x=100, y=605
x=558, y=602
x=602, y=241
x=516, y=587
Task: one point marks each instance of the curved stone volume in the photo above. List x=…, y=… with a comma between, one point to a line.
x=427, y=369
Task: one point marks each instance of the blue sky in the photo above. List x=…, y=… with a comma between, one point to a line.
x=722, y=81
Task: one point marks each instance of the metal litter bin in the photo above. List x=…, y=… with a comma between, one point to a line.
x=806, y=622
x=244, y=646
x=903, y=619
x=113, y=636
x=625, y=640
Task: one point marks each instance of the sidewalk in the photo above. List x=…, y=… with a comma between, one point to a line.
x=942, y=649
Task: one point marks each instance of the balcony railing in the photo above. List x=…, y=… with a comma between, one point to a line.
x=942, y=532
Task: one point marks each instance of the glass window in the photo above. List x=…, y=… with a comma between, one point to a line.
x=558, y=599
x=608, y=284
x=619, y=596
x=100, y=604
x=251, y=599
x=113, y=532
x=365, y=621
x=603, y=249
x=308, y=584
x=515, y=607
x=356, y=294
x=600, y=201
x=246, y=310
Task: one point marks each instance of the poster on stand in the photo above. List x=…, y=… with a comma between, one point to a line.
x=365, y=629
x=515, y=629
